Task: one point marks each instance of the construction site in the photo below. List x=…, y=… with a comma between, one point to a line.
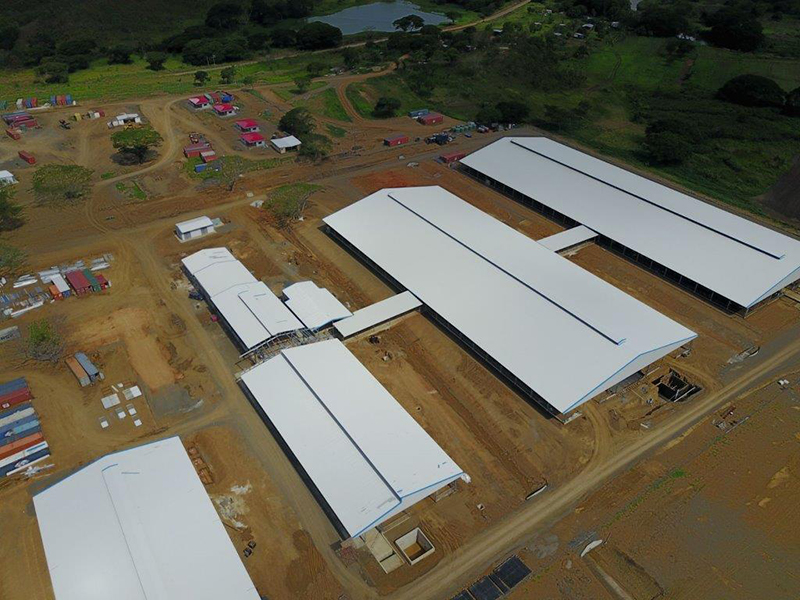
x=438, y=378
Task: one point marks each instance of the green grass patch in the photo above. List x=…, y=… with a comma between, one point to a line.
x=108, y=175
x=131, y=190
x=363, y=96
x=335, y=131
x=286, y=203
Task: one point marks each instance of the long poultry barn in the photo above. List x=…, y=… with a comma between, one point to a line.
x=251, y=313
x=364, y=458
x=554, y=331
x=728, y=260
x=138, y=525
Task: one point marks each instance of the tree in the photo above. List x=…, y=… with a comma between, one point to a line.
x=12, y=260
x=136, y=141
x=386, y=107
x=298, y=122
x=666, y=143
x=53, y=71
x=200, y=77
x=156, y=60
x=9, y=34
x=231, y=170
x=120, y=55
x=10, y=211
x=512, y=111
x=44, y=341
x=302, y=84
x=61, y=184
x=315, y=146
x=662, y=20
x=283, y=37
x=488, y=115
x=409, y=23
x=224, y=16
x=735, y=28
x=316, y=68
x=752, y=90
x=316, y=36
x=227, y=75
x=792, y=107
x=77, y=47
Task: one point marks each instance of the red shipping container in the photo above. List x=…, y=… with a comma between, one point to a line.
x=431, y=119
x=20, y=445
x=27, y=157
x=395, y=140
x=102, y=281
x=452, y=157
x=15, y=397
x=14, y=134
x=78, y=282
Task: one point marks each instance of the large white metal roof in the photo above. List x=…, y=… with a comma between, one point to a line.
x=732, y=256
x=366, y=456
x=138, y=525
x=314, y=306
x=557, y=328
x=248, y=306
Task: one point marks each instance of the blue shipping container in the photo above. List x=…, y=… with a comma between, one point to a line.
x=4, y=471
x=10, y=427
x=7, y=416
x=69, y=98
x=33, y=428
x=200, y=168
x=87, y=365
x=12, y=386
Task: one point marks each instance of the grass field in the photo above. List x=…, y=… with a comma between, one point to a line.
x=363, y=96
x=106, y=83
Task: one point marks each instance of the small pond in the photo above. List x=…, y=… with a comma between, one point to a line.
x=378, y=16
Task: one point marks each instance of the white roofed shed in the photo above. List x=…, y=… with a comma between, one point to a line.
x=138, y=525
x=316, y=307
x=554, y=330
x=366, y=458
x=730, y=258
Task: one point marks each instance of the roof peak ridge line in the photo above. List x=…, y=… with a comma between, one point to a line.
x=250, y=310
x=573, y=314
x=372, y=466
x=643, y=199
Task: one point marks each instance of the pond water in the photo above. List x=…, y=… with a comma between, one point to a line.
x=378, y=16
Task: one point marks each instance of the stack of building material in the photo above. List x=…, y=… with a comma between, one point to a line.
x=21, y=440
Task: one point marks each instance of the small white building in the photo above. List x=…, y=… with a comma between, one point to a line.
x=286, y=143
x=194, y=228
x=7, y=178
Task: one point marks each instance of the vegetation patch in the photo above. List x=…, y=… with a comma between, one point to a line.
x=287, y=203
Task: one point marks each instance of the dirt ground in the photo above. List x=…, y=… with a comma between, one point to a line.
x=145, y=330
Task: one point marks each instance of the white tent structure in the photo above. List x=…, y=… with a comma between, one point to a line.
x=727, y=259
x=252, y=313
x=7, y=178
x=365, y=458
x=316, y=307
x=553, y=330
x=285, y=143
x=138, y=525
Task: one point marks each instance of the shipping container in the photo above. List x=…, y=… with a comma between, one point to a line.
x=431, y=119
x=78, y=371
x=20, y=431
x=13, y=385
x=78, y=282
x=420, y=112
x=16, y=397
x=91, y=279
x=104, y=283
x=14, y=134
x=12, y=428
x=396, y=140
x=87, y=365
x=27, y=157
x=200, y=168
x=452, y=157
x=12, y=415
x=20, y=445
x=25, y=458
x=69, y=99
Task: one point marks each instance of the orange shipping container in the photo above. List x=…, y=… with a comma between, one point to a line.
x=54, y=292
x=20, y=445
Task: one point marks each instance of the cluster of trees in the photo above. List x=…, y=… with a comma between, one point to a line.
x=758, y=91
x=136, y=144
x=301, y=124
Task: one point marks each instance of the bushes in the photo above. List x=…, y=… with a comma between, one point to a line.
x=736, y=28
x=752, y=90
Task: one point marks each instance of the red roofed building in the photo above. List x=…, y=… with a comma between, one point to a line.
x=247, y=126
x=224, y=110
x=253, y=140
x=199, y=102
